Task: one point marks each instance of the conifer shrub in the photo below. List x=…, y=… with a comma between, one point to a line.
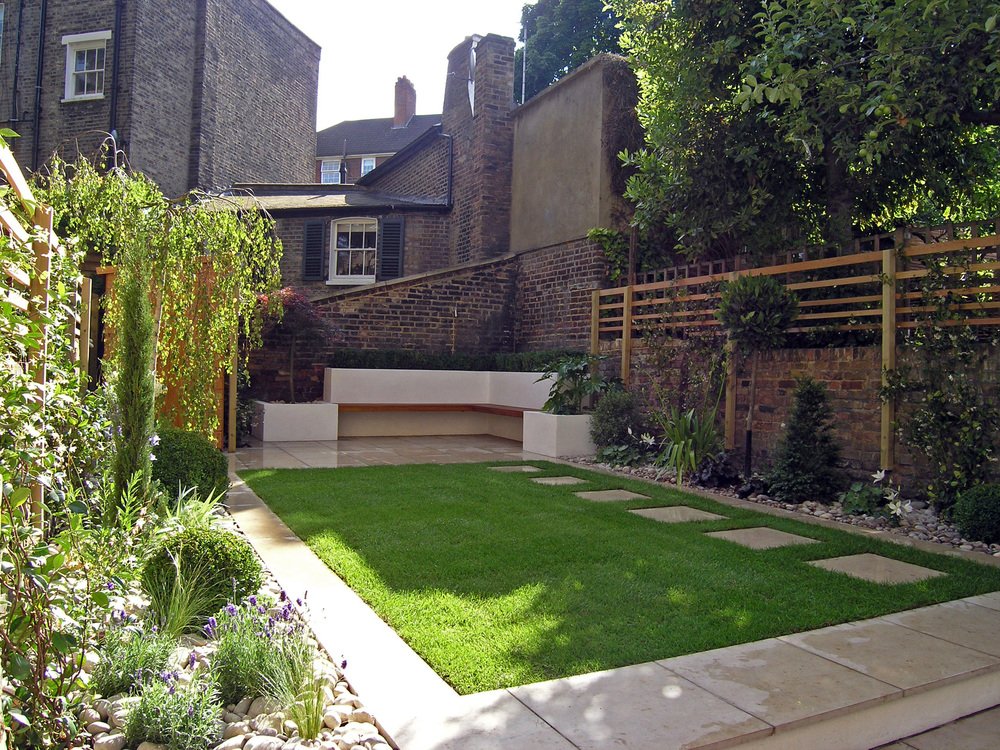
x=977, y=513
x=806, y=464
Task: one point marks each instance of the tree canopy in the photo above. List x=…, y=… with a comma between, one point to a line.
x=561, y=35
x=809, y=120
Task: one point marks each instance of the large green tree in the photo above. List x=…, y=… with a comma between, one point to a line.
x=791, y=120
x=561, y=35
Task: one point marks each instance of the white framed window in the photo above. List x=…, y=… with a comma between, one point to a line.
x=353, y=245
x=3, y=7
x=367, y=164
x=329, y=171
x=85, y=62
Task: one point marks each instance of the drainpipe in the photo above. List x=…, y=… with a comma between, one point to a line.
x=17, y=63
x=451, y=165
x=115, y=69
x=36, y=137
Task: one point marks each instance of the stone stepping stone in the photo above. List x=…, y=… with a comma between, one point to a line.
x=761, y=537
x=676, y=514
x=603, y=496
x=522, y=469
x=557, y=481
x=876, y=568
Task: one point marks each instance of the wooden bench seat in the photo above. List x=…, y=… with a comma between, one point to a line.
x=503, y=411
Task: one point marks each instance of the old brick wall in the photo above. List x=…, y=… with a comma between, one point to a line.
x=554, y=295
x=531, y=301
x=255, y=119
x=483, y=147
x=425, y=174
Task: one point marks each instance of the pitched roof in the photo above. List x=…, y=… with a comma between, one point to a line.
x=375, y=136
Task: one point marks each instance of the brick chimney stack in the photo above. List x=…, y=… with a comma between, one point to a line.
x=406, y=102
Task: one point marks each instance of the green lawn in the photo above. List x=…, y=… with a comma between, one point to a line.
x=497, y=581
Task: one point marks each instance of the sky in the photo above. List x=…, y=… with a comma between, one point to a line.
x=368, y=44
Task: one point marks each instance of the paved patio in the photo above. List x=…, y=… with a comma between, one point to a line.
x=858, y=685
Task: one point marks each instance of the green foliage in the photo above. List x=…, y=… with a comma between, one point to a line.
x=863, y=498
x=574, y=380
x=756, y=311
x=297, y=316
x=189, y=460
x=805, y=467
x=134, y=379
x=799, y=121
x=615, y=418
x=977, y=513
x=947, y=412
x=124, y=218
x=188, y=510
x=130, y=658
x=260, y=648
x=561, y=36
x=178, y=717
x=410, y=359
x=197, y=571
x=689, y=437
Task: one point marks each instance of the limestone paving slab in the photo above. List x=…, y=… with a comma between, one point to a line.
x=978, y=732
x=558, y=481
x=521, y=469
x=960, y=622
x=676, y=514
x=639, y=707
x=992, y=601
x=761, y=537
x=893, y=654
x=780, y=684
x=876, y=568
x=604, y=496
x=493, y=720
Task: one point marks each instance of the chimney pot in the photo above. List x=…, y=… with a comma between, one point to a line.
x=406, y=102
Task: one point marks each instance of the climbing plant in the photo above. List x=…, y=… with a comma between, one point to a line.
x=205, y=259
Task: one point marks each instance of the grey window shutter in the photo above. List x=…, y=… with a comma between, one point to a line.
x=312, y=251
x=390, y=248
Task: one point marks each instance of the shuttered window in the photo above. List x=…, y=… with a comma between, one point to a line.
x=390, y=249
x=313, y=255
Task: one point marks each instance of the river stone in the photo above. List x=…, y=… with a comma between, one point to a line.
x=334, y=716
x=230, y=718
x=262, y=705
x=362, y=716
x=151, y=746
x=242, y=707
x=237, y=729
x=110, y=742
x=98, y=727
x=233, y=743
x=89, y=716
x=103, y=707
x=260, y=742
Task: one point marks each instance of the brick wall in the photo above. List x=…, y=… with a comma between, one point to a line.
x=483, y=147
x=253, y=120
x=257, y=120
x=554, y=295
x=425, y=174
x=524, y=302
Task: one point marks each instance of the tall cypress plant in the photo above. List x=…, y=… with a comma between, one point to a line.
x=134, y=387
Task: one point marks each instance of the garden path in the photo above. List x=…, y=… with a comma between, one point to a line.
x=857, y=685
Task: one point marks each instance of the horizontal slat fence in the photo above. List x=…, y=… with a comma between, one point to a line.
x=874, y=286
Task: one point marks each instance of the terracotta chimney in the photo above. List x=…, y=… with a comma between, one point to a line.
x=406, y=102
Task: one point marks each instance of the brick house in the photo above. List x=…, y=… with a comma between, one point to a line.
x=472, y=238
x=199, y=93
x=349, y=150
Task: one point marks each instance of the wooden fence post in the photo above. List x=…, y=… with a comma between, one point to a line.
x=595, y=322
x=887, y=441
x=86, y=300
x=730, y=428
x=626, y=335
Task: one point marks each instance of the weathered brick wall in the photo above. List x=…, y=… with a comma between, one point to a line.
x=554, y=295
x=527, y=302
x=257, y=118
x=425, y=174
x=425, y=247
x=483, y=148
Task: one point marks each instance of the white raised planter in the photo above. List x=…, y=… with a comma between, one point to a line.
x=557, y=435
x=285, y=422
